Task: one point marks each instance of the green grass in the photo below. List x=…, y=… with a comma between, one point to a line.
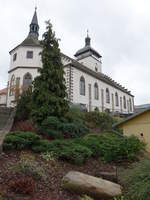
x=136, y=181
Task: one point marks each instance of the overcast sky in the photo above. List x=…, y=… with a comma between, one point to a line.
x=119, y=30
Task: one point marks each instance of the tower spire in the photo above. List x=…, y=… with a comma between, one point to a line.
x=34, y=27
x=87, y=39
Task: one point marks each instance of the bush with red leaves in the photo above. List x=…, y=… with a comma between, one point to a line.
x=23, y=185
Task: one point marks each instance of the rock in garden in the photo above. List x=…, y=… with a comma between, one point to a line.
x=111, y=176
x=84, y=184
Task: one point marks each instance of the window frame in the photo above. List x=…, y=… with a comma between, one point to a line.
x=14, y=57
x=96, y=91
x=82, y=86
x=107, y=95
x=28, y=55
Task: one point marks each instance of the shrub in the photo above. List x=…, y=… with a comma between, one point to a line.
x=56, y=129
x=29, y=167
x=65, y=150
x=75, y=153
x=41, y=146
x=51, y=123
x=111, y=147
x=74, y=115
x=24, y=105
x=23, y=185
x=54, y=134
x=74, y=130
x=20, y=140
x=97, y=119
x=136, y=180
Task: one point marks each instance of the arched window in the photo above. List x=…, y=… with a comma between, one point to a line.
x=116, y=99
x=96, y=93
x=12, y=86
x=27, y=81
x=124, y=102
x=82, y=86
x=107, y=96
x=130, y=105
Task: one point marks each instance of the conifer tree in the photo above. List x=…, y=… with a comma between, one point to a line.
x=49, y=90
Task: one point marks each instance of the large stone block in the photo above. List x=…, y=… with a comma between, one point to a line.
x=84, y=184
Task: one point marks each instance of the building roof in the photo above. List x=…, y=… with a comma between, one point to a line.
x=3, y=91
x=31, y=41
x=99, y=76
x=35, y=19
x=87, y=49
x=32, y=38
x=132, y=117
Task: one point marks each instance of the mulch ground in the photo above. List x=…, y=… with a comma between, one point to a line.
x=51, y=189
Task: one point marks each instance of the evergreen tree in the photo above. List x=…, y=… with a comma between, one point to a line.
x=49, y=93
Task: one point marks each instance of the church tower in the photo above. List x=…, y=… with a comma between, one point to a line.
x=89, y=56
x=34, y=27
x=24, y=63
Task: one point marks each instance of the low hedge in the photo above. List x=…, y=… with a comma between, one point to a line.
x=111, y=147
x=66, y=150
x=20, y=140
x=58, y=129
x=108, y=147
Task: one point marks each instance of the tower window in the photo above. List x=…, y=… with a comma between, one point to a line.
x=15, y=57
x=30, y=54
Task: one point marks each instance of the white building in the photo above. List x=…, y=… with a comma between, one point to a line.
x=86, y=84
x=3, y=97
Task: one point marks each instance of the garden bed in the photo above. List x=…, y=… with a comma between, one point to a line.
x=51, y=190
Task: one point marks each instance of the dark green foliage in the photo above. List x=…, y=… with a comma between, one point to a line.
x=56, y=129
x=41, y=146
x=24, y=105
x=74, y=130
x=111, y=147
x=136, y=181
x=107, y=147
x=64, y=150
x=20, y=140
x=49, y=95
x=74, y=115
x=51, y=123
x=98, y=119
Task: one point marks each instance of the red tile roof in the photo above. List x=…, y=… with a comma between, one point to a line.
x=3, y=91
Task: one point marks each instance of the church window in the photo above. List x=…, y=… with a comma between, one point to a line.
x=15, y=57
x=96, y=69
x=82, y=86
x=124, y=102
x=96, y=93
x=27, y=81
x=12, y=86
x=116, y=99
x=30, y=54
x=130, y=105
x=107, y=96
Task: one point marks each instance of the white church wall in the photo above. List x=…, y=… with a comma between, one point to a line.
x=3, y=99
x=91, y=63
x=77, y=98
x=19, y=73
x=22, y=60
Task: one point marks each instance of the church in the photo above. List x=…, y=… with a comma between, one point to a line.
x=86, y=85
